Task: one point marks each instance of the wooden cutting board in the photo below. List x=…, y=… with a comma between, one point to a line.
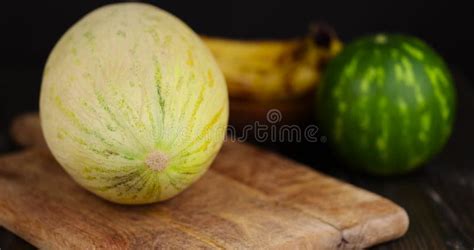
x=250, y=198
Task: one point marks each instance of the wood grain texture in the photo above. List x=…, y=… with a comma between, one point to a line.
x=250, y=198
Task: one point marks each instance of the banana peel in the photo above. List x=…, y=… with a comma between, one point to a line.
x=271, y=70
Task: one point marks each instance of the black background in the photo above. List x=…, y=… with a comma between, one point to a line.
x=29, y=30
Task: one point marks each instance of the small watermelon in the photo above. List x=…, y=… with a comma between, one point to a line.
x=387, y=103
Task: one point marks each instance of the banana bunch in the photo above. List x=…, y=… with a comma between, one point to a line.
x=266, y=70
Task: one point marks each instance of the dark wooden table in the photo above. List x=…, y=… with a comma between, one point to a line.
x=439, y=197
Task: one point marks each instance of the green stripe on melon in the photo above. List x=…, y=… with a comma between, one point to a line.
x=387, y=103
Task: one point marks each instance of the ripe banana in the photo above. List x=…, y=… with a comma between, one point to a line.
x=265, y=70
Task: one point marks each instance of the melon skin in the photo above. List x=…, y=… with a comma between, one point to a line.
x=132, y=104
x=387, y=103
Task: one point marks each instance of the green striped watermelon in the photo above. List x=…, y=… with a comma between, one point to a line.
x=387, y=103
